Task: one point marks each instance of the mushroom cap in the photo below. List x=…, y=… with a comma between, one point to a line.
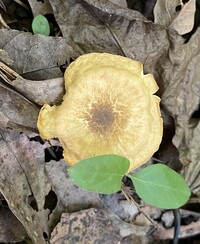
x=108, y=108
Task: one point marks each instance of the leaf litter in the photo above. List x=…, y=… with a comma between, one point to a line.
x=87, y=26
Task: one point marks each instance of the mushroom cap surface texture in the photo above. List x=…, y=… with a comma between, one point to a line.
x=108, y=108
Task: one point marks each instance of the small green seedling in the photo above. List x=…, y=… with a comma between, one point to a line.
x=40, y=25
x=156, y=184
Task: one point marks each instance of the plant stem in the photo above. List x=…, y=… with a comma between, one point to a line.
x=131, y=200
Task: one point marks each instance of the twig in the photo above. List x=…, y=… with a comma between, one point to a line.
x=8, y=71
x=3, y=23
x=130, y=199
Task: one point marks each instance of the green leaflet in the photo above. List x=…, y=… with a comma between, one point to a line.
x=161, y=186
x=102, y=174
x=40, y=25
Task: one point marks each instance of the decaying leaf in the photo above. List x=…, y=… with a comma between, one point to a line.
x=25, y=186
x=89, y=26
x=43, y=91
x=100, y=26
x=184, y=21
x=40, y=7
x=121, y=3
x=191, y=150
x=20, y=99
x=165, y=11
x=37, y=92
x=168, y=14
x=16, y=111
x=72, y=197
x=11, y=230
x=37, y=193
x=4, y=57
x=167, y=152
x=181, y=99
x=36, y=57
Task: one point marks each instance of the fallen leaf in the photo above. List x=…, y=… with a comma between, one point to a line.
x=38, y=92
x=37, y=192
x=25, y=186
x=71, y=196
x=11, y=230
x=16, y=111
x=49, y=91
x=184, y=21
x=165, y=11
x=5, y=57
x=181, y=99
x=192, y=152
x=36, y=57
x=121, y=3
x=100, y=26
x=40, y=7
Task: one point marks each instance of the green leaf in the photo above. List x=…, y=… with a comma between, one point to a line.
x=161, y=186
x=40, y=25
x=102, y=174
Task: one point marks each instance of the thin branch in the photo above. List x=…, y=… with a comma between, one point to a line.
x=3, y=23
x=131, y=200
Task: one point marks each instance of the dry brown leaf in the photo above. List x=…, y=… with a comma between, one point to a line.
x=191, y=150
x=89, y=26
x=184, y=21
x=36, y=57
x=48, y=91
x=11, y=230
x=17, y=92
x=16, y=112
x=40, y=7
x=38, y=92
x=165, y=11
x=180, y=77
x=100, y=26
x=4, y=57
x=71, y=196
x=37, y=192
x=121, y=3
x=25, y=186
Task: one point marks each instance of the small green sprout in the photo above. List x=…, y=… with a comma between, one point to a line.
x=40, y=25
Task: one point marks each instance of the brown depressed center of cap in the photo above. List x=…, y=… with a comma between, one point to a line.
x=102, y=118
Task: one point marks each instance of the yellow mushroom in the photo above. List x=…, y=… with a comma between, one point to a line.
x=108, y=108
